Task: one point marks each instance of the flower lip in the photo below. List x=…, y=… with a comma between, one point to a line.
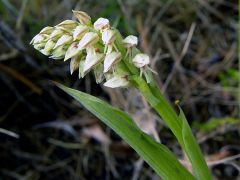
x=130, y=41
x=89, y=39
x=82, y=17
x=141, y=60
x=101, y=24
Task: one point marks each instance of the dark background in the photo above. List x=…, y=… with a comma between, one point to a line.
x=58, y=139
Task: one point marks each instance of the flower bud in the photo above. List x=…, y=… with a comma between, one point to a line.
x=141, y=60
x=89, y=39
x=48, y=47
x=67, y=25
x=39, y=38
x=39, y=46
x=92, y=60
x=111, y=59
x=59, y=52
x=101, y=24
x=72, y=51
x=130, y=41
x=79, y=32
x=108, y=36
x=56, y=34
x=47, y=30
x=65, y=39
x=82, y=17
x=74, y=64
x=117, y=81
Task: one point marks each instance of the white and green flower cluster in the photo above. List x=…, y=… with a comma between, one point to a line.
x=92, y=47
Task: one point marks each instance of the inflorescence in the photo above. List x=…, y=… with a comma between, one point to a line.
x=92, y=47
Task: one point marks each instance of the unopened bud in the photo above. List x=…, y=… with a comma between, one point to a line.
x=56, y=34
x=47, y=30
x=79, y=32
x=117, y=81
x=67, y=25
x=59, y=52
x=39, y=46
x=101, y=24
x=92, y=60
x=89, y=39
x=48, y=47
x=39, y=38
x=82, y=17
x=108, y=36
x=72, y=51
x=141, y=60
x=130, y=41
x=65, y=39
x=111, y=59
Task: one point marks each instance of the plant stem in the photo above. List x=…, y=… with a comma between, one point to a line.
x=178, y=125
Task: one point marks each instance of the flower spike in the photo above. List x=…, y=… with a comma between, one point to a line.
x=94, y=47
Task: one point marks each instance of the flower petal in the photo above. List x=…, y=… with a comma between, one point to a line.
x=111, y=59
x=72, y=51
x=88, y=39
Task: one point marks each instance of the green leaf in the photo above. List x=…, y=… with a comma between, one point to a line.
x=193, y=151
x=156, y=155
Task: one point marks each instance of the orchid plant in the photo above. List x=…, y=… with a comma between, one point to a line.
x=118, y=62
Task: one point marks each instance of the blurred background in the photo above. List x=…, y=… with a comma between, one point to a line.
x=45, y=134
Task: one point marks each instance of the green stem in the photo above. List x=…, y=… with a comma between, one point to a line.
x=177, y=124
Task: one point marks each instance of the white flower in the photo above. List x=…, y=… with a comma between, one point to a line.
x=117, y=81
x=108, y=36
x=92, y=59
x=79, y=32
x=88, y=40
x=72, y=51
x=101, y=24
x=82, y=17
x=111, y=59
x=130, y=41
x=141, y=60
x=64, y=39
